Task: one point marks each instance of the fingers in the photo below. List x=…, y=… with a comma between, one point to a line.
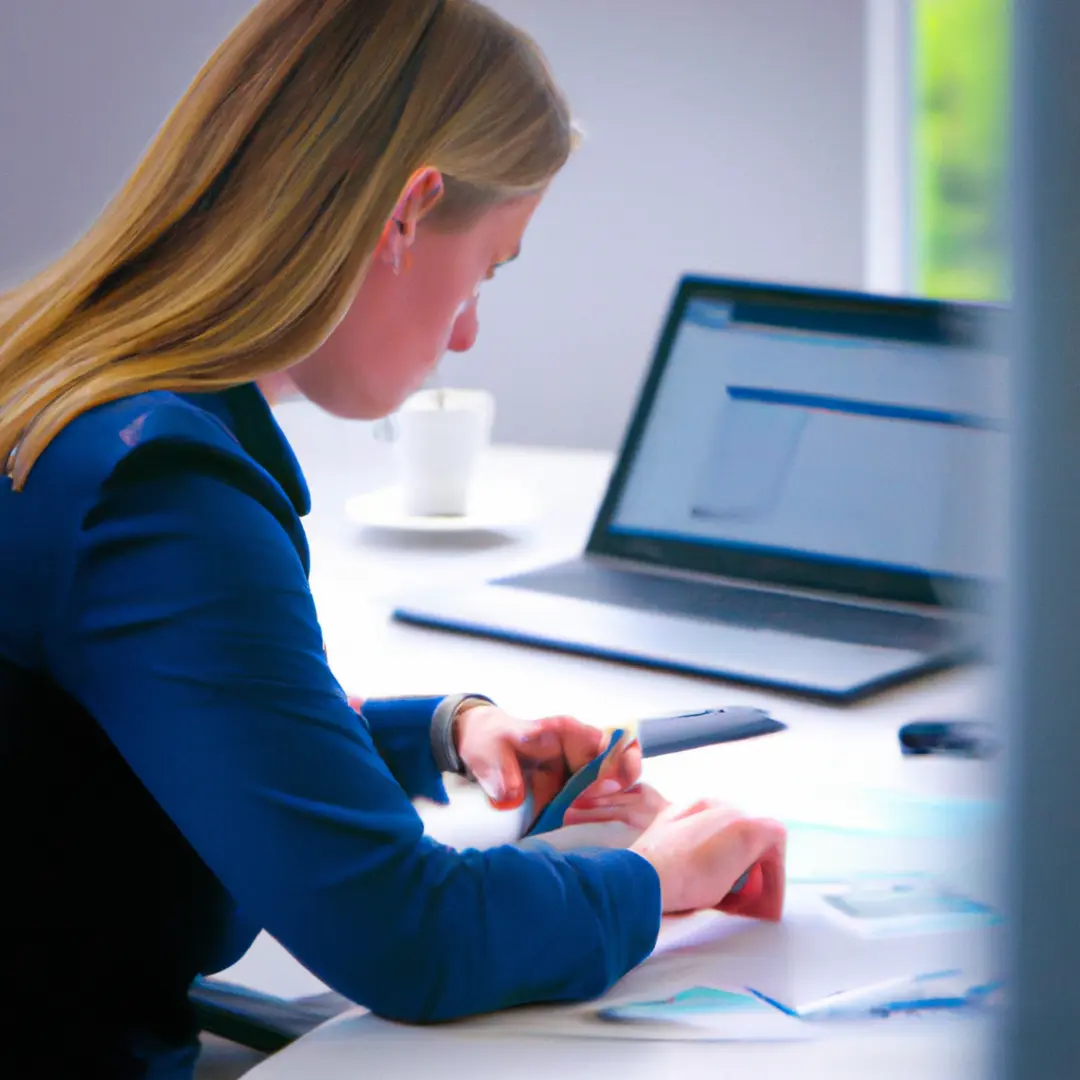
x=740, y=848
x=505, y=757
x=545, y=783
x=575, y=742
x=620, y=772
x=558, y=746
x=607, y=786
x=763, y=898
x=697, y=807
x=639, y=795
x=625, y=764
x=498, y=772
x=700, y=851
x=638, y=807
x=702, y=806
x=745, y=842
x=774, y=873
x=537, y=742
x=508, y=758
x=603, y=815
x=636, y=816
x=765, y=835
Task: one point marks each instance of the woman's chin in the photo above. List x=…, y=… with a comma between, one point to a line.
x=348, y=406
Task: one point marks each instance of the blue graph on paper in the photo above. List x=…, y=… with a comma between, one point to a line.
x=757, y=438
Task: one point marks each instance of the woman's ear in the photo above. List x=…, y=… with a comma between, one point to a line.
x=418, y=198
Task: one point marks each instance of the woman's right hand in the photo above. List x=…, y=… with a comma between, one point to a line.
x=701, y=851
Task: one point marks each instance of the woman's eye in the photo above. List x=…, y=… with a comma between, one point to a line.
x=499, y=266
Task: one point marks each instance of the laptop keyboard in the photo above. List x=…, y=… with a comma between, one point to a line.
x=737, y=606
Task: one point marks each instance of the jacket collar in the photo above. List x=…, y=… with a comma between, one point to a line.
x=247, y=414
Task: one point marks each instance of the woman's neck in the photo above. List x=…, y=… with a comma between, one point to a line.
x=277, y=387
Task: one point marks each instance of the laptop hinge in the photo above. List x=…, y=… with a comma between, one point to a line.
x=616, y=562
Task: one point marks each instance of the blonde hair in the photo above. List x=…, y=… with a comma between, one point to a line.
x=241, y=238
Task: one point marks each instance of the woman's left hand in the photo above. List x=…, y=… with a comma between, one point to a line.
x=510, y=757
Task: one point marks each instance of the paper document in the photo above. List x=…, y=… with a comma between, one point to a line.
x=714, y=977
x=700, y=1014
x=901, y=907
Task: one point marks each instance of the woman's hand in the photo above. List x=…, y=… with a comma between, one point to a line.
x=700, y=852
x=509, y=757
x=637, y=807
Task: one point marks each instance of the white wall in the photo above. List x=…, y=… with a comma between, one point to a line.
x=725, y=136
x=84, y=84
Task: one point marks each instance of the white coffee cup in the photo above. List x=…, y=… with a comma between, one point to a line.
x=439, y=437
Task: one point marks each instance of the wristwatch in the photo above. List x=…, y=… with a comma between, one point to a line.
x=443, y=746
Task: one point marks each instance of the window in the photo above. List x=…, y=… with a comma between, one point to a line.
x=959, y=131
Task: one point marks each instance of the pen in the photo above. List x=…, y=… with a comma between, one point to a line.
x=882, y=996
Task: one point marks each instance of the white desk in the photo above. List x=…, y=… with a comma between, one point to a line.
x=355, y=578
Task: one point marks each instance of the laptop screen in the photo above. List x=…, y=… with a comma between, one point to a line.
x=815, y=439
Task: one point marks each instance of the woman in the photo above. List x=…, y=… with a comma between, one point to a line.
x=180, y=767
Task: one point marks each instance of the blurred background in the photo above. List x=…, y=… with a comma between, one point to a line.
x=855, y=143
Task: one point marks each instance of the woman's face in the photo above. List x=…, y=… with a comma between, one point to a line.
x=402, y=322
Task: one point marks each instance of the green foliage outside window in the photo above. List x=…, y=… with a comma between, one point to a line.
x=961, y=130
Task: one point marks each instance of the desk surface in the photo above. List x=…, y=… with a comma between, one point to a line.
x=357, y=575
x=359, y=1045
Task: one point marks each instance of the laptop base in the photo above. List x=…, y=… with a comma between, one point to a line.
x=810, y=666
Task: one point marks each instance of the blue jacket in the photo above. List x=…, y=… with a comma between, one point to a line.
x=179, y=768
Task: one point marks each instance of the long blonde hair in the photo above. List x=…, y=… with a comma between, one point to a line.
x=242, y=236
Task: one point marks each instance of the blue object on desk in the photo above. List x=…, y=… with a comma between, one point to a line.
x=551, y=817
x=663, y=735
x=960, y=738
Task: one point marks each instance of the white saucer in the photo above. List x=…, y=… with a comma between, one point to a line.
x=489, y=511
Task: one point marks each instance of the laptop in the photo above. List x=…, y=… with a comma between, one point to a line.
x=800, y=502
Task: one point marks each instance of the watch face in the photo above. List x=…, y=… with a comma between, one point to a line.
x=551, y=817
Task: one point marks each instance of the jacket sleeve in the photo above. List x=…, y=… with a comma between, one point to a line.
x=186, y=627
x=401, y=731
x=414, y=736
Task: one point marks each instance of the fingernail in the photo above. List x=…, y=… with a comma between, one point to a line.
x=491, y=787
x=607, y=787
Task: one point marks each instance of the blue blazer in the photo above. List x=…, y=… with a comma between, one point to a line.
x=180, y=769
